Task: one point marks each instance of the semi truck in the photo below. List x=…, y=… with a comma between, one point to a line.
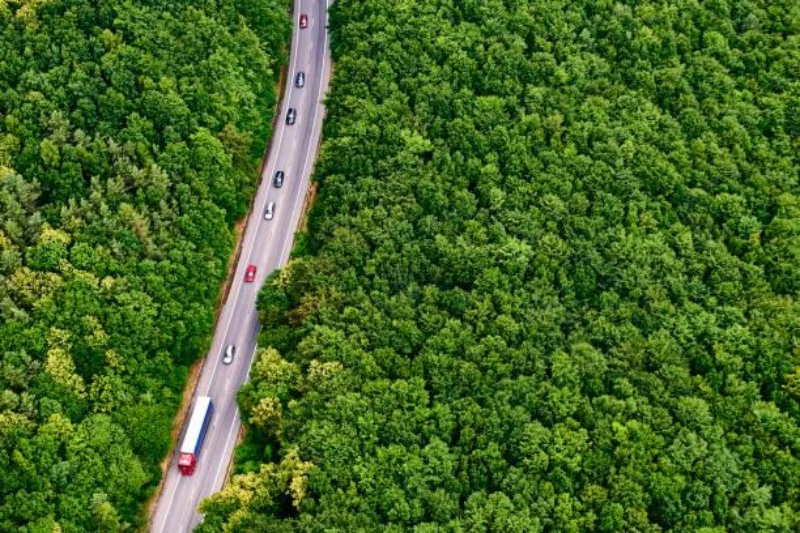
x=195, y=435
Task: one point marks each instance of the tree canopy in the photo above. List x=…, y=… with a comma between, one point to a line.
x=130, y=134
x=550, y=282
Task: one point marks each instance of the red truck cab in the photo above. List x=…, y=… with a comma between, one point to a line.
x=186, y=464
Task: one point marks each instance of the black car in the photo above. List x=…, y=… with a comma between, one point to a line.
x=300, y=80
x=278, y=179
x=291, y=116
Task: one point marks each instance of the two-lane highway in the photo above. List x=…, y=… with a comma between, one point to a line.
x=266, y=245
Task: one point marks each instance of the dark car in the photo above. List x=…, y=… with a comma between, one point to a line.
x=250, y=274
x=278, y=179
x=303, y=21
x=291, y=116
x=300, y=80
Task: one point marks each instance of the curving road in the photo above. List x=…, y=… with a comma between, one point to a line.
x=266, y=244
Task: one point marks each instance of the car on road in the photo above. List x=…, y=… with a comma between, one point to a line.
x=291, y=116
x=278, y=179
x=270, y=212
x=250, y=274
x=303, y=21
x=300, y=80
x=230, y=351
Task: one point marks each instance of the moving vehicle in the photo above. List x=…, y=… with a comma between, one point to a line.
x=303, y=21
x=230, y=351
x=195, y=435
x=300, y=80
x=250, y=274
x=270, y=212
x=291, y=116
x=278, y=179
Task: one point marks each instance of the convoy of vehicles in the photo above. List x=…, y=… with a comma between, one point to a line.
x=203, y=409
x=195, y=435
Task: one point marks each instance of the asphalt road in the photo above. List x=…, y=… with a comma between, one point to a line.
x=266, y=244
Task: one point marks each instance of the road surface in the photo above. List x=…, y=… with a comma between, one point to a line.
x=266, y=244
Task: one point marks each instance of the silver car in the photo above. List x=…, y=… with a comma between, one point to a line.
x=230, y=351
x=300, y=80
x=270, y=211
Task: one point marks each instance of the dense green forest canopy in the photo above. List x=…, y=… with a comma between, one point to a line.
x=551, y=280
x=129, y=136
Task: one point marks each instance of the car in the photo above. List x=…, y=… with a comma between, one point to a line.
x=300, y=80
x=250, y=274
x=230, y=351
x=278, y=179
x=303, y=21
x=291, y=115
x=270, y=212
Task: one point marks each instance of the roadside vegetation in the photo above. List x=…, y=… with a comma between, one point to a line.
x=550, y=281
x=130, y=134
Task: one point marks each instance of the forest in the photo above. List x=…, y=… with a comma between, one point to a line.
x=130, y=138
x=550, y=282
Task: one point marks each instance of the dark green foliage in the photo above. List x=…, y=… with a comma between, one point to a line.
x=130, y=134
x=551, y=280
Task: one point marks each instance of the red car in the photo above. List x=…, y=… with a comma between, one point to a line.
x=303, y=21
x=250, y=275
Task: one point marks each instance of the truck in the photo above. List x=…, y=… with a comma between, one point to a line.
x=195, y=435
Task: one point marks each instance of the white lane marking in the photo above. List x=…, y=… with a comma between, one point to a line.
x=224, y=451
x=188, y=508
x=287, y=103
x=313, y=148
x=171, y=500
x=253, y=357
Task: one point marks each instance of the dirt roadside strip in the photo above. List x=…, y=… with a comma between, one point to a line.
x=196, y=368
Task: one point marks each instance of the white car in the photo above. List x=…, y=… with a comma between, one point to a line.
x=230, y=351
x=270, y=212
